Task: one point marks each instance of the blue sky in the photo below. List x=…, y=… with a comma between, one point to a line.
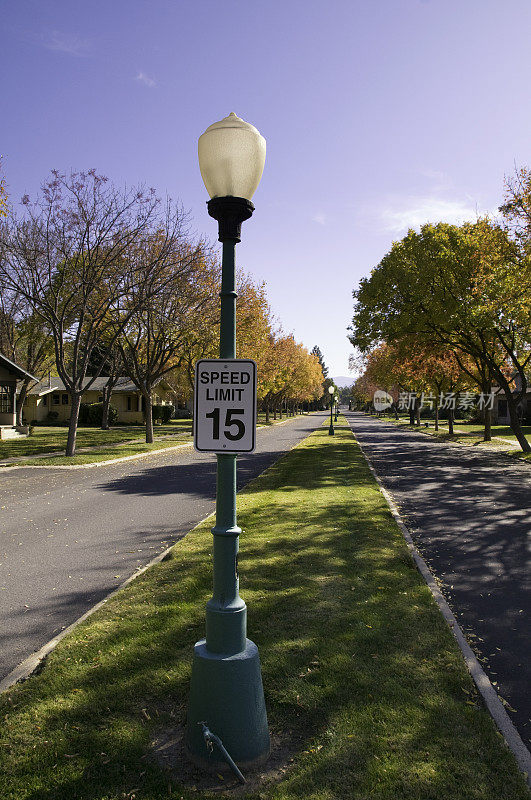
x=378, y=115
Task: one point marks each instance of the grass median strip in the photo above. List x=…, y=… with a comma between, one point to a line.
x=367, y=693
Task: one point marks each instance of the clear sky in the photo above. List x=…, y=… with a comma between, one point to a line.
x=378, y=115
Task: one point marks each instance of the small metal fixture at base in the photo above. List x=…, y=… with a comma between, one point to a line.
x=211, y=739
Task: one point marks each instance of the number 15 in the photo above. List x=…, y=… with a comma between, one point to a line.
x=229, y=423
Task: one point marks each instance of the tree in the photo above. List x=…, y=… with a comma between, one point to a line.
x=3, y=195
x=24, y=340
x=73, y=257
x=317, y=353
x=161, y=309
x=467, y=288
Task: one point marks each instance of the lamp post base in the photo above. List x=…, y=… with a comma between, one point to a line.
x=331, y=430
x=226, y=694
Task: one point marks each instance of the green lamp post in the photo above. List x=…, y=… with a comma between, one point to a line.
x=226, y=693
x=336, y=401
x=331, y=391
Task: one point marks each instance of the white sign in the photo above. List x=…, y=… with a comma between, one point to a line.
x=382, y=400
x=225, y=406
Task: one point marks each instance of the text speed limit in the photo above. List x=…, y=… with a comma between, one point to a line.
x=225, y=406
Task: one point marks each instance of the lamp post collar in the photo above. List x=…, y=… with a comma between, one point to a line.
x=230, y=212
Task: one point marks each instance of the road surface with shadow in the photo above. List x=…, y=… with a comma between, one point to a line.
x=469, y=513
x=69, y=537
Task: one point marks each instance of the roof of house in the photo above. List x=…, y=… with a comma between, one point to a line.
x=124, y=384
x=15, y=369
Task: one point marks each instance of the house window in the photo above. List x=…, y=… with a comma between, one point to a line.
x=64, y=399
x=7, y=394
x=129, y=404
x=55, y=399
x=502, y=408
x=45, y=401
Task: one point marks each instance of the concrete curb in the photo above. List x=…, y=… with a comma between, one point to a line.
x=97, y=463
x=22, y=465
x=480, y=678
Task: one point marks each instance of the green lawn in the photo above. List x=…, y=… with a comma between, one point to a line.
x=367, y=694
x=49, y=439
x=466, y=433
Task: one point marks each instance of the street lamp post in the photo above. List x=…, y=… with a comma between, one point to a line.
x=226, y=692
x=336, y=398
x=331, y=391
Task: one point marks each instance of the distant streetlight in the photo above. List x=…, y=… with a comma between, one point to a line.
x=226, y=692
x=336, y=398
x=331, y=391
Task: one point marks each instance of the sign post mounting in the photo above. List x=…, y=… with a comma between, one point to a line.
x=225, y=406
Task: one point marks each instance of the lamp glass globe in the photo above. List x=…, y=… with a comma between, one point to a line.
x=231, y=158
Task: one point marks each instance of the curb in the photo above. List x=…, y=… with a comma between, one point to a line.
x=22, y=465
x=96, y=463
x=486, y=689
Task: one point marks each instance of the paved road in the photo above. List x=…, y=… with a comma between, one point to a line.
x=69, y=537
x=469, y=513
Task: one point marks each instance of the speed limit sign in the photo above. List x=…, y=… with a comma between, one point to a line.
x=225, y=406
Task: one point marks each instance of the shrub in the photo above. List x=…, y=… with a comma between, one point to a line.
x=52, y=416
x=92, y=414
x=83, y=413
x=182, y=413
x=162, y=414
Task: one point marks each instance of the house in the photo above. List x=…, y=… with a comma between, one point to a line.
x=49, y=400
x=501, y=409
x=10, y=374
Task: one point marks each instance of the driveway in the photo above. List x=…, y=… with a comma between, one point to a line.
x=469, y=513
x=69, y=537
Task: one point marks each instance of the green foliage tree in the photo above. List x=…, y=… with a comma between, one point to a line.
x=466, y=287
x=74, y=257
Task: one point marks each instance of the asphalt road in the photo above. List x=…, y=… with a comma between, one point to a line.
x=69, y=537
x=469, y=513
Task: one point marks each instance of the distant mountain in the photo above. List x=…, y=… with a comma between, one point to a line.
x=342, y=380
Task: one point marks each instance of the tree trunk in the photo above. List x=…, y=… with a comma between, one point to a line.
x=280, y=412
x=451, y=421
x=516, y=425
x=411, y=416
x=105, y=408
x=21, y=400
x=487, y=434
x=267, y=414
x=75, y=400
x=148, y=400
x=275, y=412
x=437, y=412
x=417, y=412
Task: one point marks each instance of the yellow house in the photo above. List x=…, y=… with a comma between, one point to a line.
x=49, y=400
x=10, y=374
